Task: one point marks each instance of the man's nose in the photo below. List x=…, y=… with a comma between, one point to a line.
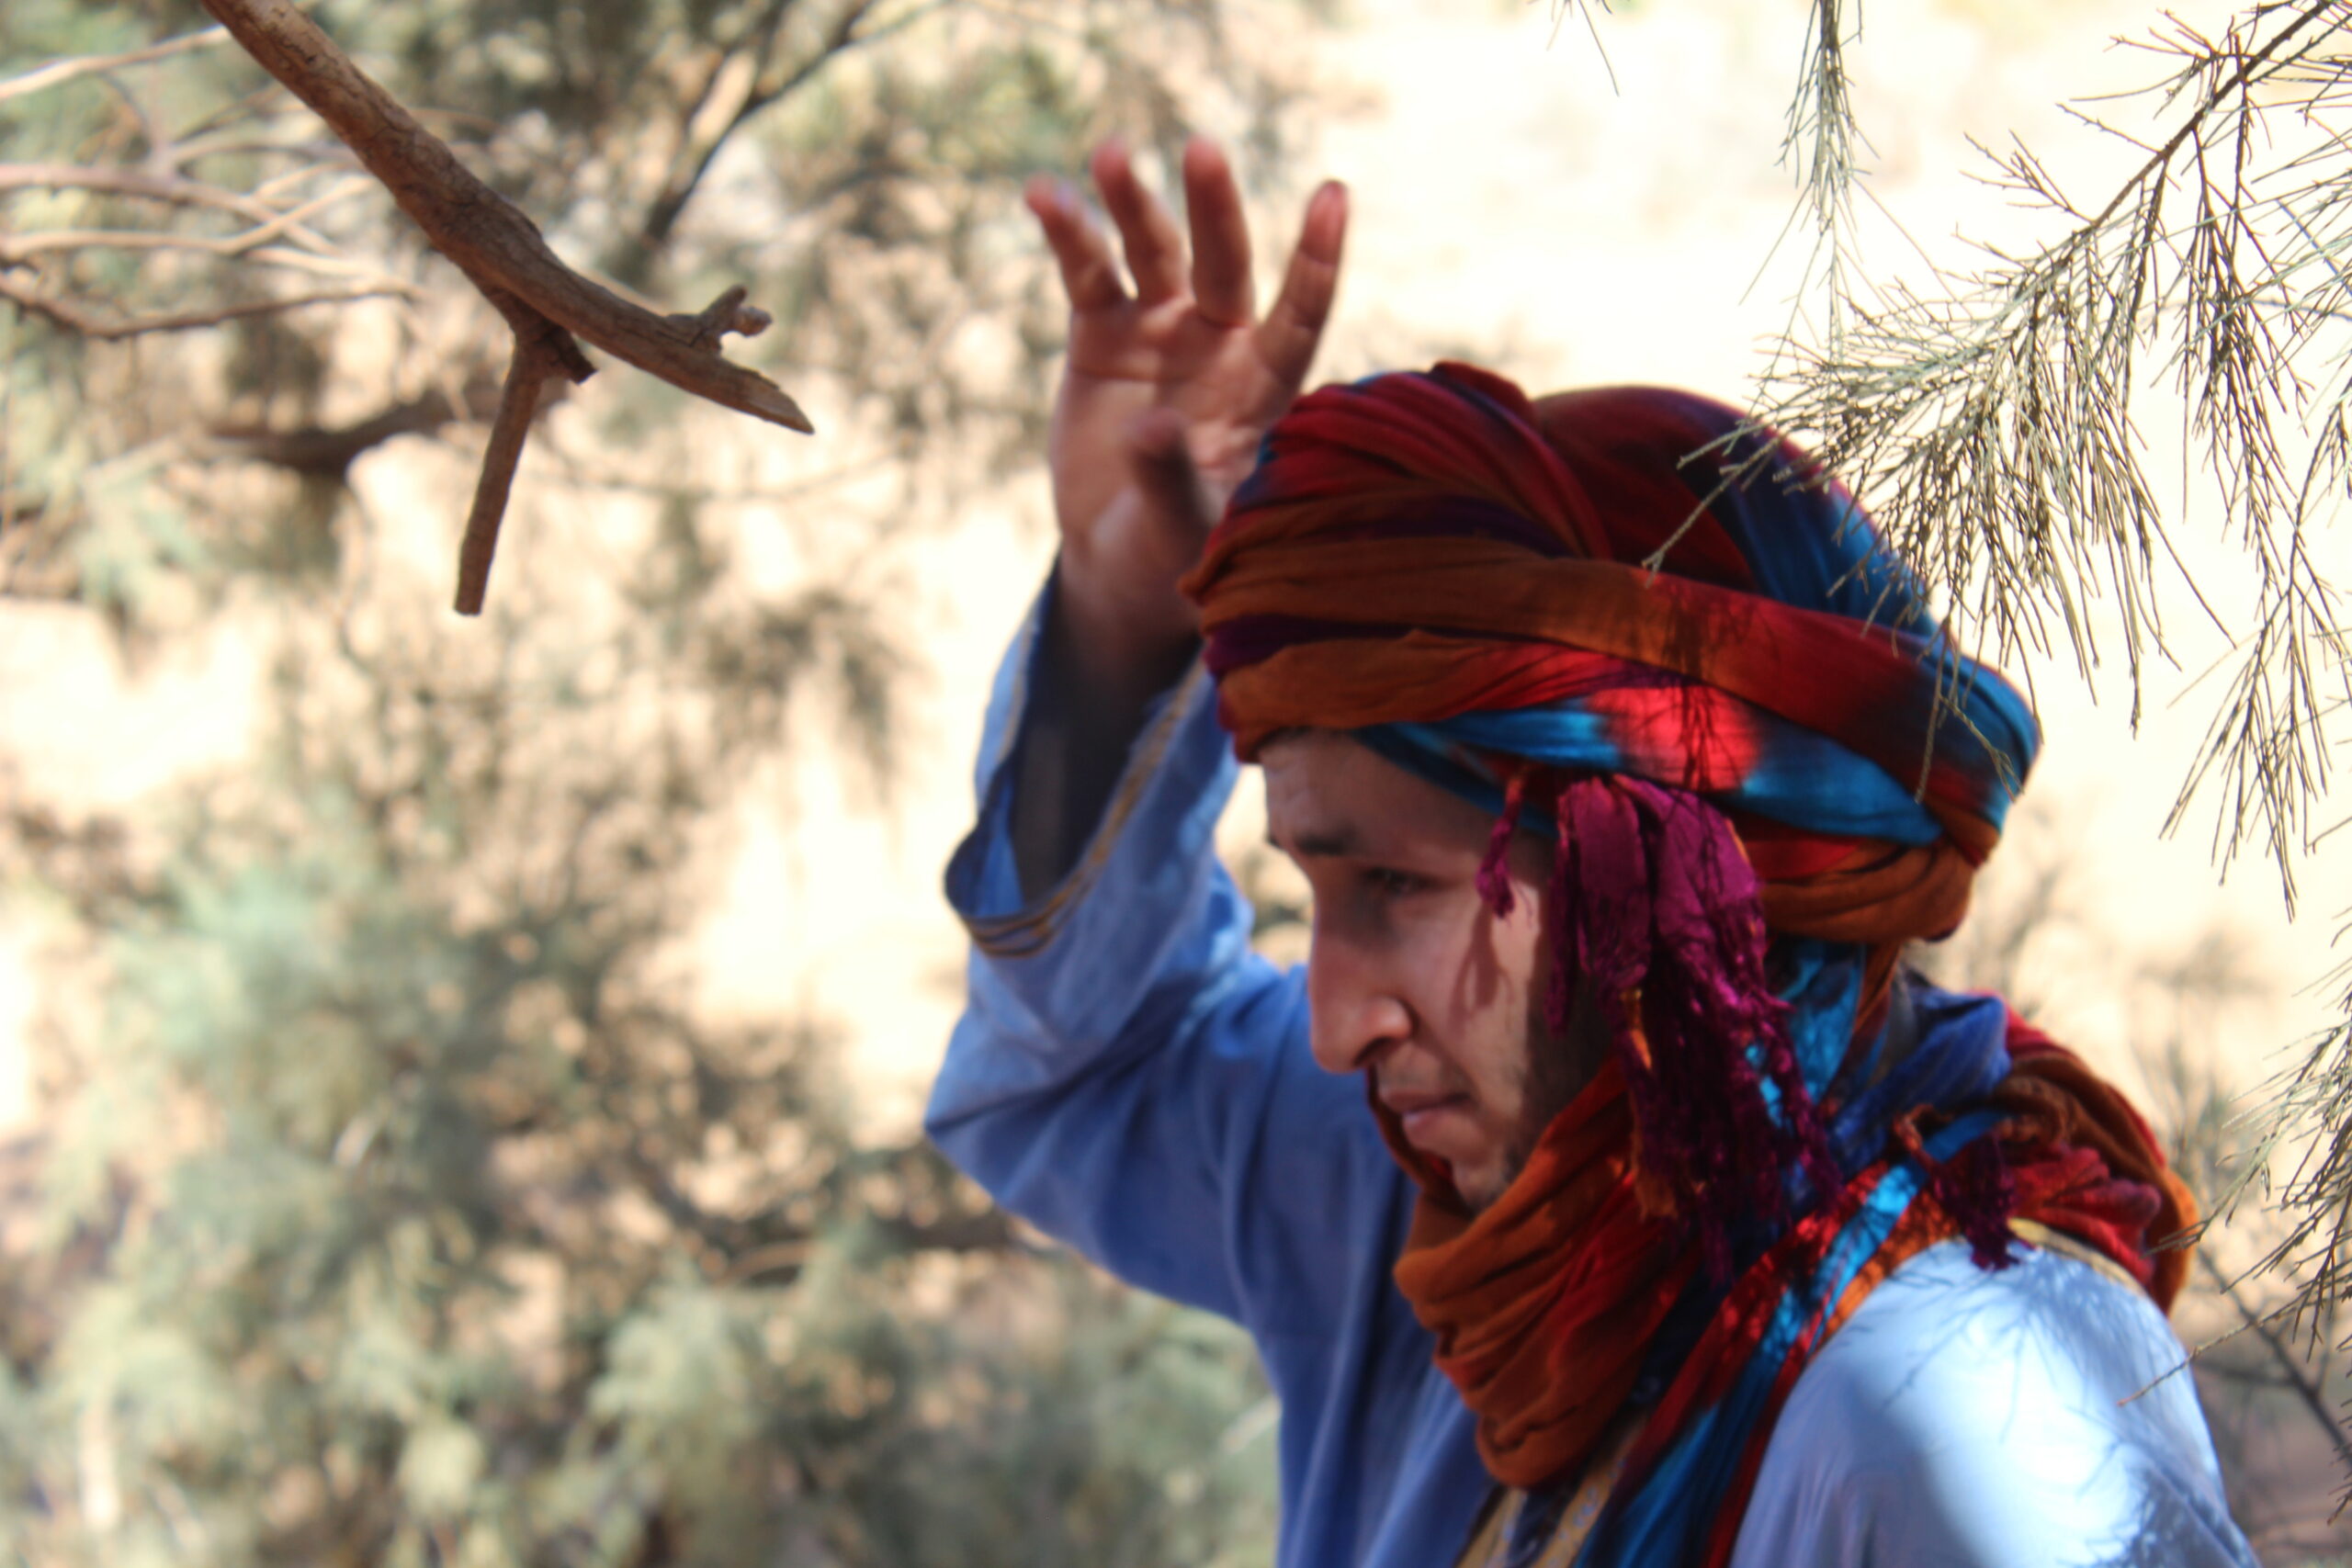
x=1352, y=1013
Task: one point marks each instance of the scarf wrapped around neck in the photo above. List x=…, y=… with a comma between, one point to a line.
x=1625, y=617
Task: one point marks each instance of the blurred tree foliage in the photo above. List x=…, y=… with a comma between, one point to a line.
x=392, y=1200
x=397, y=1206
x=853, y=161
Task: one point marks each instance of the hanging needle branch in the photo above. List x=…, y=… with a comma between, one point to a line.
x=2291, y=1367
x=549, y=305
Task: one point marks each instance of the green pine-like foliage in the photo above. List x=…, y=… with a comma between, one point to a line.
x=392, y=1200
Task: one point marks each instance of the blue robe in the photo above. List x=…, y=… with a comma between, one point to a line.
x=1130, y=1077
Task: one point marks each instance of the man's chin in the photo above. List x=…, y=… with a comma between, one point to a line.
x=1480, y=1187
x=1452, y=1135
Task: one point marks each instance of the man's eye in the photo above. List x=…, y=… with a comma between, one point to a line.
x=1390, y=883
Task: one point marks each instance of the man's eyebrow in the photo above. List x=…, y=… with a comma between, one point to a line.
x=1333, y=844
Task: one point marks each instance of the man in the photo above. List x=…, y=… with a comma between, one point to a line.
x=1683, y=1227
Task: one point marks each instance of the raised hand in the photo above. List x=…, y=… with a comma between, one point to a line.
x=1172, y=379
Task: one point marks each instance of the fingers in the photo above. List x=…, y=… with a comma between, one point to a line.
x=1221, y=282
x=1175, y=494
x=1155, y=250
x=1287, y=337
x=1089, y=275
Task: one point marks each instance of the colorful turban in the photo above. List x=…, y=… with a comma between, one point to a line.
x=1766, y=766
x=1623, y=580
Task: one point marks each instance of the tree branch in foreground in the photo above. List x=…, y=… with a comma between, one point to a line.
x=502, y=253
x=536, y=360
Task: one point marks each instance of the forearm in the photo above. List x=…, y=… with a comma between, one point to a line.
x=1123, y=964
x=1090, y=879
x=1127, y=1074
x=1086, y=712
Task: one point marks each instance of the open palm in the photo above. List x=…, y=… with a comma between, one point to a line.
x=1170, y=385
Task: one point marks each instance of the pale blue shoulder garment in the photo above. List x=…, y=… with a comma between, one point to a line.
x=1131, y=1077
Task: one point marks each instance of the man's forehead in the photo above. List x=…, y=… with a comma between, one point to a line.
x=1310, y=792
x=1326, y=793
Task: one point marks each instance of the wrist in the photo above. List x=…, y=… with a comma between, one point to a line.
x=1116, y=655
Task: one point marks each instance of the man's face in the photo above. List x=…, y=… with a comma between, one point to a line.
x=1412, y=977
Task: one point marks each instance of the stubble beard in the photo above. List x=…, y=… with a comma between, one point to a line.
x=1555, y=1070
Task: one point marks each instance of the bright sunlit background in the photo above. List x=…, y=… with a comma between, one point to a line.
x=1566, y=211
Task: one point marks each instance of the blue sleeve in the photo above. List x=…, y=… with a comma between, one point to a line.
x=2036, y=1417
x=1129, y=1075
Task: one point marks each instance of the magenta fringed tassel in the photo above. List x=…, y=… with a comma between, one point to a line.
x=1661, y=916
x=1976, y=1189
x=1559, y=995
x=1494, y=869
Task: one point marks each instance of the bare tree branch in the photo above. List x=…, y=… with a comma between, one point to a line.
x=328, y=452
x=57, y=73
x=692, y=160
x=82, y=324
x=503, y=252
x=144, y=185
x=536, y=360
x=273, y=225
